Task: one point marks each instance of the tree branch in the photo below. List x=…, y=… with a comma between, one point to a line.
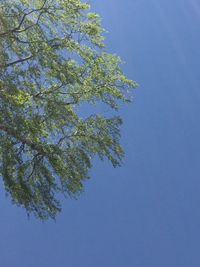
x=16, y=62
x=17, y=29
x=37, y=147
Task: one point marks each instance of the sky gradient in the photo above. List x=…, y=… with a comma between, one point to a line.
x=146, y=213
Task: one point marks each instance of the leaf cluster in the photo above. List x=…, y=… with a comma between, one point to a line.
x=53, y=60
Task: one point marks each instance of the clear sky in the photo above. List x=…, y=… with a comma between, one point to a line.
x=146, y=213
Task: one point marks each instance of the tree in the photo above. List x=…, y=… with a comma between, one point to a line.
x=52, y=61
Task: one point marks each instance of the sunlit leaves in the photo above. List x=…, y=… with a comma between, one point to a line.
x=52, y=61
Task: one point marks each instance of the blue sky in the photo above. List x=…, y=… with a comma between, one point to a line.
x=145, y=213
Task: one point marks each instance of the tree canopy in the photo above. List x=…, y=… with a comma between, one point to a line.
x=52, y=61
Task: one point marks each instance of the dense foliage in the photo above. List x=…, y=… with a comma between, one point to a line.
x=52, y=60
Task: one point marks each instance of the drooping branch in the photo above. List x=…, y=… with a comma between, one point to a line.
x=24, y=140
